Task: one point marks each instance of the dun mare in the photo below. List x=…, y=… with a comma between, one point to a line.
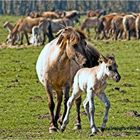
x=93, y=81
x=56, y=65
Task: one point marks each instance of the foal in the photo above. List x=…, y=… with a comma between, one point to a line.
x=93, y=81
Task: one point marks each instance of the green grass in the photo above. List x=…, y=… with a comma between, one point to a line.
x=23, y=102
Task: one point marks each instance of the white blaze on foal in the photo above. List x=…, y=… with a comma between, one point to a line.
x=93, y=81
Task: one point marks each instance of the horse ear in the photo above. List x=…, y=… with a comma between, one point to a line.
x=104, y=58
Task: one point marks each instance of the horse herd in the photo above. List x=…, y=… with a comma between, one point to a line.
x=68, y=60
x=114, y=25
x=39, y=25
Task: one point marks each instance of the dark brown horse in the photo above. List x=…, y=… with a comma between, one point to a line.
x=57, y=64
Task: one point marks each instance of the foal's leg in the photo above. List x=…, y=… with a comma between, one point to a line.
x=78, y=119
x=69, y=105
x=86, y=107
x=90, y=97
x=106, y=102
x=51, y=108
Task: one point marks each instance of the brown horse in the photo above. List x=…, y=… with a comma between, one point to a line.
x=57, y=64
x=117, y=26
x=106, y=22
x=48, y=14
x=24, y=26
x=129, y=26
x=91, y=22
x=97, y=13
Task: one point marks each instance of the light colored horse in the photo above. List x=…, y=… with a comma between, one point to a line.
x=93, y=81
x=137, y=26
x=56, y=66
x=37, y=36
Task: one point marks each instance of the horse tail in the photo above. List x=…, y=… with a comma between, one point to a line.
x=127, y=25
x=50, y=32
x=100, y=27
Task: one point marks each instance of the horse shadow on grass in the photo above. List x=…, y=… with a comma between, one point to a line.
x=124, y=131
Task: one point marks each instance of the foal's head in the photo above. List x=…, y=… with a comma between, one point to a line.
x=111, y=68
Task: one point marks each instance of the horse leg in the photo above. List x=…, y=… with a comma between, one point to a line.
x=44, y=38
x=58, y=107
x=78, y=118
x=90, y=98
x=66, y=97
x=21, y=38
x=26, y=35
x=86, y=107
x=106, y=102
x=128, y=34
x=51, y=107
x=69, y=105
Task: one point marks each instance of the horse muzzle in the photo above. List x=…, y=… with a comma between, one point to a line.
x=117, y=77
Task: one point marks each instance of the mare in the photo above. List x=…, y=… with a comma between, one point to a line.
x=56, y=66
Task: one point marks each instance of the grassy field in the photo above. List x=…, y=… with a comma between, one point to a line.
x=23, y=102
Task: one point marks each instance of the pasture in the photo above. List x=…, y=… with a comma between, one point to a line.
x=23, y=102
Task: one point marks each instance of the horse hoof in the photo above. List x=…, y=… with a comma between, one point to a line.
x=102, y=129
x=52, y=129
x=93, y=134
x=77, y=127
x=62, y=130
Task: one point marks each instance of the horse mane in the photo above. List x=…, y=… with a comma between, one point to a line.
x=81, y=33
x=92, y=55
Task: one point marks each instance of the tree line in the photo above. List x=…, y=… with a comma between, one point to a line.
x=23, y=7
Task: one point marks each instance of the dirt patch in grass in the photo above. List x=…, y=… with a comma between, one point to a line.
x=132, y=113
x=4, y=45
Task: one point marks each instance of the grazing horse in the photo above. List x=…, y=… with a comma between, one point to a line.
x=93, y=81
x=10, y=27
x=24, y=26
x=56, y=65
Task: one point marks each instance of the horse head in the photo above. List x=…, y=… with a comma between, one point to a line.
x=71, y=40
x=111, y=67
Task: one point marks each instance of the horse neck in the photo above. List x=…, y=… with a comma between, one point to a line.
x=9, y=27
x=101, y=72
